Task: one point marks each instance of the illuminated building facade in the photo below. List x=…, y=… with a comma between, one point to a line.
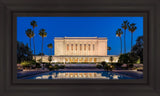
x=80, y=49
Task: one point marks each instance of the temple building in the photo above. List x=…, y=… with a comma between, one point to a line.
x=80, y=49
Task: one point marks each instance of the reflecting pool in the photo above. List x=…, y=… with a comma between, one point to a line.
x=79, y=75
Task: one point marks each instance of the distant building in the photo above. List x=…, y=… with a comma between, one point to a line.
x=80, y=49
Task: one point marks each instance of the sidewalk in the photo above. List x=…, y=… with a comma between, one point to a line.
x=29, y=73
x=95, y=69
x=131, y=73
x=78, y=65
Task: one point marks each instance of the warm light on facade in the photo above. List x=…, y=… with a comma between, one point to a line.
x=79, y=49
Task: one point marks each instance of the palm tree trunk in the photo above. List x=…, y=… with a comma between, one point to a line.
x=109, y=52
x=131, y=40
x=30, y=43
x=42, y=49
x=42, y=53
x=51, y=51
x=34, y=46
x=121, y=44
x=30, y=48
x=125, y=41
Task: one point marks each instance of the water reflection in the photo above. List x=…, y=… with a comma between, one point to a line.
x=81, y=75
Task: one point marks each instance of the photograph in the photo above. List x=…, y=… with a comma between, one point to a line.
x=109, y=48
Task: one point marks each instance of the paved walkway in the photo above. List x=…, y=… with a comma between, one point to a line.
x=95, y=69
x=22, y=74
x=78, y=65
x=131, y=73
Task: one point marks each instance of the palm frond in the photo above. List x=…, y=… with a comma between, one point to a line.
x=42, y=33
x=132, y=27
x=50, y=45
x=29, y=33
x=125, y=25
x=109, y=48
x=119, y=32
x=34, y=23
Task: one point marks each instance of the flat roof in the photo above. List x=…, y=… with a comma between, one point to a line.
x=80, y=56
x=61, y=38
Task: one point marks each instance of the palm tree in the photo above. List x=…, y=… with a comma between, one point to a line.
x=132, y=29
x=125, y=26
x=30, y=34
x=34, y=24
x=50, y=46
x=109, y=49
x=119, y=33
x=111, y=59
x=43, y=34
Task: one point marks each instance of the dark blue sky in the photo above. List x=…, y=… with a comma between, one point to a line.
x=79, y=27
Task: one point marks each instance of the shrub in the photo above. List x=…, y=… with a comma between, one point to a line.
x=62, y=66
x=33, y=61
x=111, y=67
x=116, y=65
x=25, y=64
x=40, y=60
x=50, y=59
x=57, y=62
x=138, y=61
x=130, y=65
x=74, y=62
x=38, y=65
x=99, y=66
x=106, y=67
x=28, y=63
x=56, y=66
x=47, y=65
x=51, y=68
x=111, y=59
x=103, y=63
x=128, y=58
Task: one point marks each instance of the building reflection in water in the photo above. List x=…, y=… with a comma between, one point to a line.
x=78, y=75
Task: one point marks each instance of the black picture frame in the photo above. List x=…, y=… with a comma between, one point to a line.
x=9, y=9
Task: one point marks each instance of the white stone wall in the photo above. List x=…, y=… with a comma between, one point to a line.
x=102, y=47
x=99, y=44
x=96, y=54
x=88, y=58
x=59, y=47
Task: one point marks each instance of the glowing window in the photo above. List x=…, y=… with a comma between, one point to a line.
x=95, y=59
x=84, y=46
x=89, y=47
x=76, y=46
x=71, y=46
x=93, y=47
x=67, y=46
x=80, y=46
